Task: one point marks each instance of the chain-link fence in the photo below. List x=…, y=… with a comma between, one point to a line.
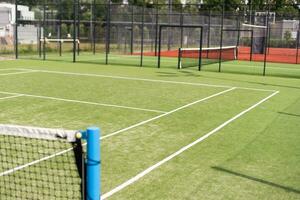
x=127, y=34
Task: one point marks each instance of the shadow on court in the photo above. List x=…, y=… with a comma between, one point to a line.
x=253, y=82
x=262, y=181
x=290, y=114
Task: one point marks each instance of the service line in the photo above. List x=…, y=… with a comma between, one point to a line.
x=110, y=135
x=82, y=102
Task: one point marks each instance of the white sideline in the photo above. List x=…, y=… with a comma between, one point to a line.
x=83, y=102
x=11, y=97
x=109, y=135
x=147, y=80
x=183, y=149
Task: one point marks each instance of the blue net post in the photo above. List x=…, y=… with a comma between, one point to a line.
x=93, y=164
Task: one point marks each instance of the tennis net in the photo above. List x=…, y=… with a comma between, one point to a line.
x=40, y=163
x=190, y=57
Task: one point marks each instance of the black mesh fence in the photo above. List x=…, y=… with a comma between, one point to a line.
x=127, y=34
x=7, y=48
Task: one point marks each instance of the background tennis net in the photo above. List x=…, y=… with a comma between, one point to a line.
x=189, y=57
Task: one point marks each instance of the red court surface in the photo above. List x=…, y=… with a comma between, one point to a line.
x=276, y=55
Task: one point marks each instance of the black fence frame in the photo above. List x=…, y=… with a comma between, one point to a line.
x=238, y=39
x=161, y=27
x=76, y=22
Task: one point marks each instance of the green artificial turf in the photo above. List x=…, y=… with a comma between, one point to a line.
x=244, y=67
x=254, y=157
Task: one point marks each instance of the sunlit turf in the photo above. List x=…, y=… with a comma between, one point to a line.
x=254, y=157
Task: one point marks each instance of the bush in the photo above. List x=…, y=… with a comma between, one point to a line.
x=275, y=43
x=282, y=43
x=288, y=35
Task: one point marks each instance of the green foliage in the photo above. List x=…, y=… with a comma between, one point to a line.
x=26, y=48
x=287, y=35
x=65, y=29
x=287, y=43
x=83, y=29
x=275, y=43
x=287, y=11
x=29, y=3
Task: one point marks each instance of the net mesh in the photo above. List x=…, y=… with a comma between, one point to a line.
x=189, y=57
x=39, y=164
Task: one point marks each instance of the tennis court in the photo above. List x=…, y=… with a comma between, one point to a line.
x=165, y=134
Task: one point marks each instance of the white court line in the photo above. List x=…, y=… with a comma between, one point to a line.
x=14, y=73
x=180, y=151
x=130, y=78
x=16, y=69
x=112, y=134
x=167, y=113
x=84, y=102
x=150, y=80
x=10, y=97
